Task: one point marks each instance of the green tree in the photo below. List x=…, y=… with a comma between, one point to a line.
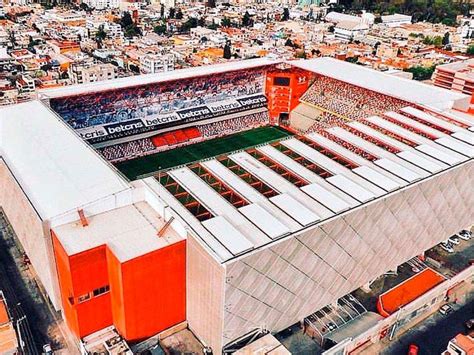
x=246, y=19
x=160, y=29
x=192, y=22
x=445, y=40
x=126, y=20
x=421, y=73
x=179, y=14
x=226, y=22
x=101, y=34
x=172, y=12
x=470, y=49
x=227, y=50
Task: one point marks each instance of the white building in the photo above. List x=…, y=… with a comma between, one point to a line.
x=347, y=30
x=157, y=63
x=396, y=20
x=102, y=4
x=466, y=29
x=82, y=74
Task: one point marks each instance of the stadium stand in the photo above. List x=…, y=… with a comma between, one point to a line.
x=234, y=125
x=349, y=101
x=160, y=98
x=164, y=141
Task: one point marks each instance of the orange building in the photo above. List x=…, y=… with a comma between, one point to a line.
x=103, y=280
x=283, y=89
x=408, y=291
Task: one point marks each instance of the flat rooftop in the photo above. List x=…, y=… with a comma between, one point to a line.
x=129, y=232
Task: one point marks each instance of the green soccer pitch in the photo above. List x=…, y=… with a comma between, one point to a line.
x=150, y=164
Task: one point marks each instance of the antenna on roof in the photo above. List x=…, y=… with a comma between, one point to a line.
x=163, y=229
x=83, y=218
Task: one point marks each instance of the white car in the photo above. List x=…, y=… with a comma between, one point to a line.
x=446, y=309
x=465, y=234
x=454, y=239
x=447, y=247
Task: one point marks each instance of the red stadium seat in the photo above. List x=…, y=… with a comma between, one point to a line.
x=158, y=141
x=170, y=138
x=192, y=133
x=180, y=136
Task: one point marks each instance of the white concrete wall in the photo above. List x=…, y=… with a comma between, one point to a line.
x=32, y=232
x=280, y=285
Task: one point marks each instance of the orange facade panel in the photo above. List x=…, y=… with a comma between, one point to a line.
x=83, y=283
x=408, y=291
x=284, y=89
x=152, y=294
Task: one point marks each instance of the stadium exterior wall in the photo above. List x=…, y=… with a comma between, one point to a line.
x=280, y=285
x=32, y=232
x=205, y=285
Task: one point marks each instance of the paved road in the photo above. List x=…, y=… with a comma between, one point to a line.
x=433, y=334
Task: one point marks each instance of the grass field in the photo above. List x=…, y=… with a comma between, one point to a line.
x=149, y=164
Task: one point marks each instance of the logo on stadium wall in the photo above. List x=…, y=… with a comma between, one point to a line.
x=124, y=126
x=160, y=119
x=196, y=113
x=253, y=101
x=219, y=107
x=92, y=132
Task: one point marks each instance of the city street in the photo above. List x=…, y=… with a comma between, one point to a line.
x=433, y=334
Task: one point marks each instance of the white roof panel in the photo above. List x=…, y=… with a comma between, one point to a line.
x=437, y=154
x=248, y=192
x=326, y=197
x=424, y=163
x=373, y=133
x=140, y=80
x=425, y=116
x=415, y=124
x=457, y=146
x=295, y=209
x=376, y=178
x=227, y=235
x=264, y=220
x=56, y=169
x=351, y=188
x=397, y=169
x=464, y=136
x=408, y=90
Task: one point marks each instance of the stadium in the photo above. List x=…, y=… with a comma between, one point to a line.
x=231, y=197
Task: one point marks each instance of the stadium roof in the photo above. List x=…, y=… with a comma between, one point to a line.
x=139, y=80
x=405, y=89
x=279, y=189
x=55, y=168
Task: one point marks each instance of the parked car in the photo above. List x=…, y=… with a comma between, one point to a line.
x=465, y=234
x=447, y=247
x=331, y=326
x=454, y=239
x=446, y=309
x=413, y=349
x=47, y=350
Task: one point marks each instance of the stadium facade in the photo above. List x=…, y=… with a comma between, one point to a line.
x=139, y=210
